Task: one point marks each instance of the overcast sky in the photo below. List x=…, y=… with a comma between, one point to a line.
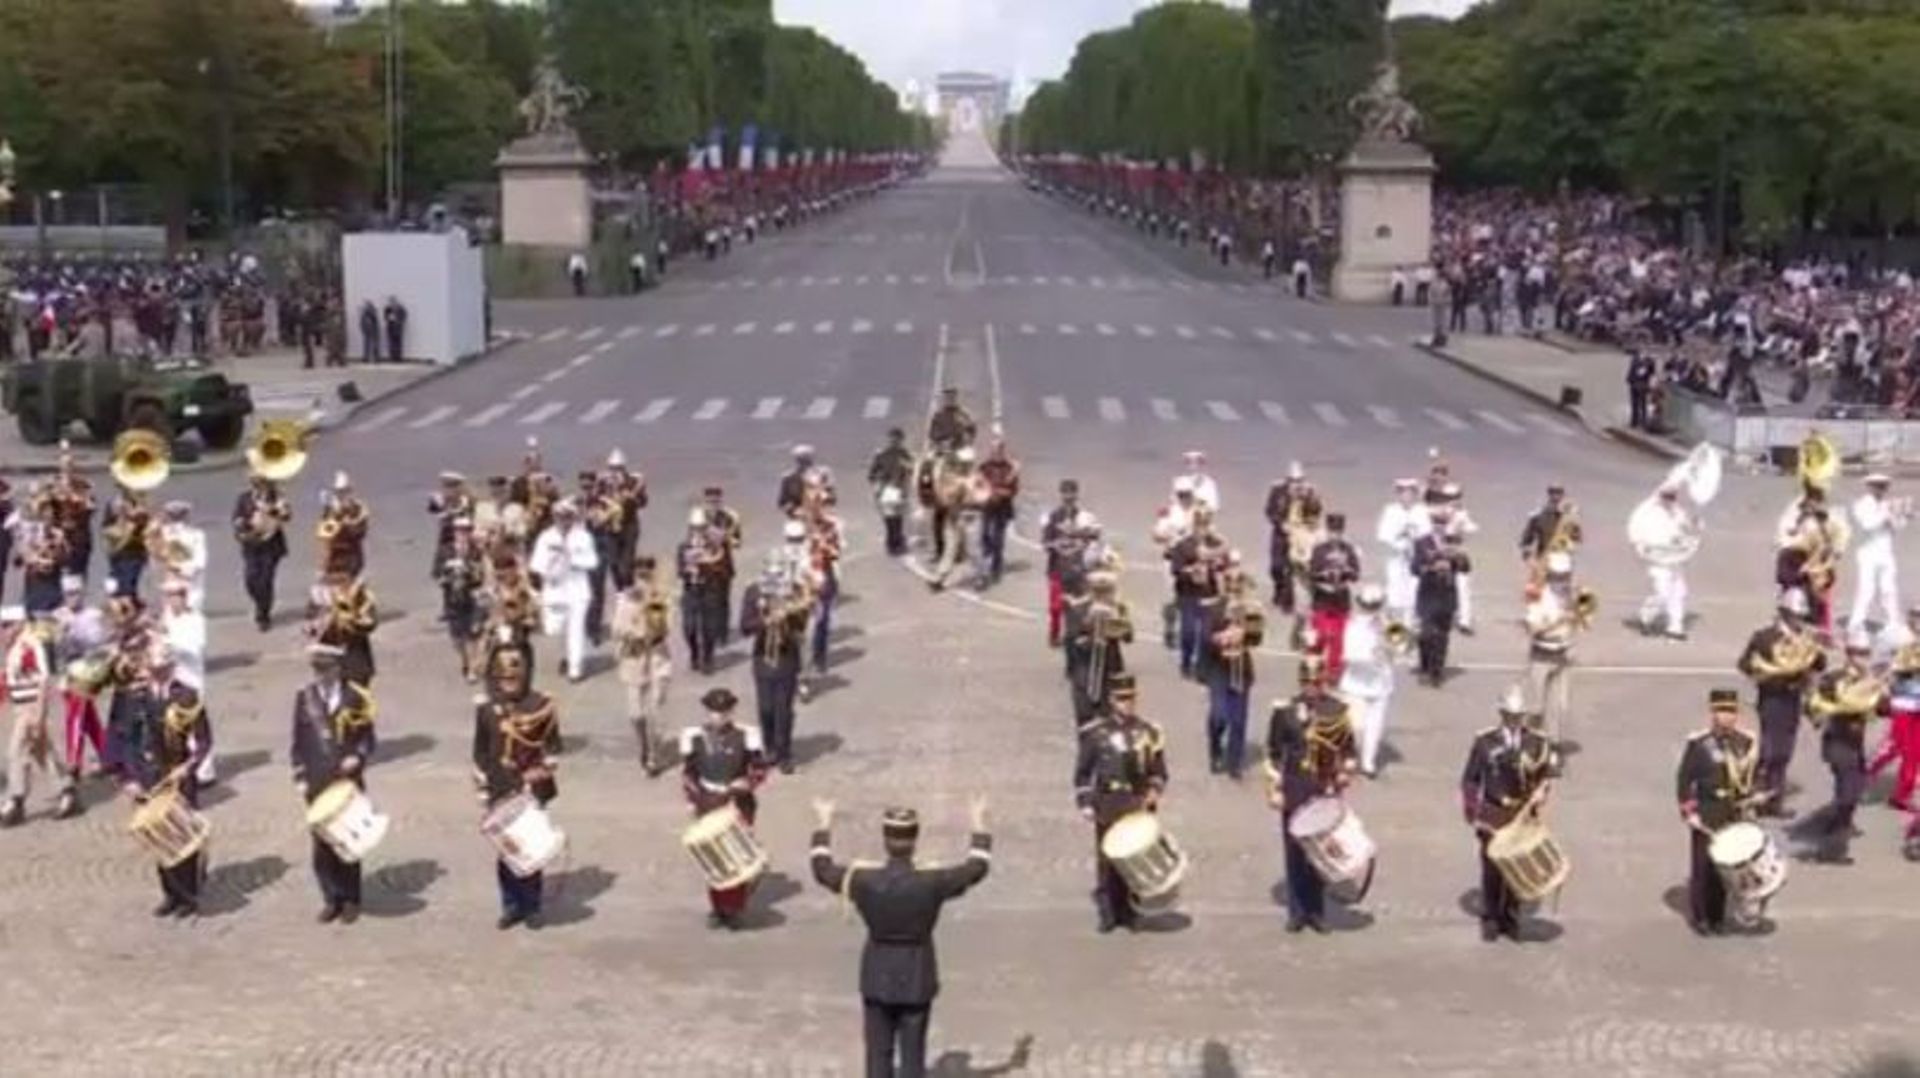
x=1018, y=39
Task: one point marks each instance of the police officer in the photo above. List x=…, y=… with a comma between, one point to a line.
x=900, y=904
x=1718, y=770
x=1506, y=776
x=1121, y=769
x=1311, y=754
x=1640, y=376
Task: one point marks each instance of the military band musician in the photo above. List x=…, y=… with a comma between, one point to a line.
x=1719, y=767
x=125, y=524
x=723, y=764
x=333, y=741
x=1843, y=703
x=1293, y=512
x=1508, y=771
x=260, y=517
x=1310, y=754
x=1121, y=769
x=1782, y=658
x=640, y=630
x=1332, y=570
x=773, y=613
x=1234, y=624
x=172, y=752
x=516, y=739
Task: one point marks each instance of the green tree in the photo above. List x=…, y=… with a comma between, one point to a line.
x=1316, y=56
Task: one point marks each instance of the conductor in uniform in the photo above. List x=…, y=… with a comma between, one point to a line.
x=1508, y=768
x=1715, y=787
x=1121, y=769
x=900, y=904
x=332, y=741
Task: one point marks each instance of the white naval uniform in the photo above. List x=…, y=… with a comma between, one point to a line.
x=564, y=560
x=193, y=570
x=1366, y=681
x=1878, y=579
x=1462, y=525
x=1668, y=602
x=1400, y=526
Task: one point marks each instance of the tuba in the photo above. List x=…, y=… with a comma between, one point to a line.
x=1819, y=462
x=279, y=451
x=1699, y=475
x=142, y=460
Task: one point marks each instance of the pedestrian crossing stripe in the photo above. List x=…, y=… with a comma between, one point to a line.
x=654, y=410
x=525, y=391
x=1264, y=334
x=1054, y=407
x=823, y=327
x=487, y=415
x=877, y=408
x=543, y=413
x=821, y=408
x=1380, y=340
x=711, y=408
x=783, y=329
x=860, y=280
x=1386, y=417
x=767, y=408
x=589, y=333
x=384, y=418
x=435, y=416
x=1223, y=333
x=833, y=280
x=1302, y=336
x=1342, y=338
x=1068, y=329
x=1500, y=421
x=554, y=375
x=893, y=278
x=1164, y=410
x=1276, y=413
x=599, y=412
x=1144, y=331
x=861, y=325
x=1112, y=410
x=1224, y=412
x=705, y=329
x=1104, y=329
x=1039, y=280
x=629, y=333
x=1547, y=423
x=1329, y=414
x=1064, y=280
x=1027, y=329
x=1446, y=419
x=903, y=327
x=554, y=334
x=1185, y=333
x=745, y=328
x=667, y=330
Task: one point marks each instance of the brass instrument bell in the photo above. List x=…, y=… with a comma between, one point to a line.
x=142, y=460
x=1819, y=462
x=279, y=451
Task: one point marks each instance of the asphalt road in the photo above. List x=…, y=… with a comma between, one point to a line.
x=1104, y=355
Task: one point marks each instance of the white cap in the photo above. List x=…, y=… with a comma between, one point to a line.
x=1406, y=484
x=341, y=482
x=697, y=518
x=803, y=450
x=964, y=454
x=1513, y=701
x=1559, y=563
x=794, y=530
x=72, y=585
x=1183, y=485
x=566, y=505
x=1296, y=470
x=1194, y=456
x=1878, y=479
x=616, y=459
x=1370, y=595
x=12, y=615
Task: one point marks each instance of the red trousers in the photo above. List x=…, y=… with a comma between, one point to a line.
x=733, y=901
x=83, y=728
x=1056, y=607
x=1331, y=627
x=1902, y=744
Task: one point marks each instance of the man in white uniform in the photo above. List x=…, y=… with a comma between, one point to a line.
x=564, y=557
x=1662, y=527
x=1366, y=678
x=1205, y=491
x=1876, y=518
x=179, y=535
x=1403, y=522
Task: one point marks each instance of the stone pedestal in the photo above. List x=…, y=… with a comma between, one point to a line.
x=1386, y=218
x=545, y=200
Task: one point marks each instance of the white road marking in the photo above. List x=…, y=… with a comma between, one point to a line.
x=524, y=392
x=804, y=281
x=1039, y=280
x=667, y=330
x=1055, y=407
x=582, y=360
x=1027, y=329
x=630, y=333
x=1224, y=412
x=1104, y=329
x=1276, y=413
x=554, y=334
x=383, y=418
x=603, y=347
x=893, y=278
x=600, y=411
x=748, y=282
x=1112, y=410
x=877, y=408
x=820, y=408
x=554, y=375
x=1144, y=331
x=1495, y=419
x=1096, y=282
x=823, y=326
x=710, y=408
x=486, y=415
x=1380, y=341
x=1223, y=333
x=1182, y=285
x=655, y=408
x=1302, y=336
x=1329, y=414
x=767, y=408
x=745, y=328
x=1068, y=329
x=1164, y=410
x=1342, y=338
x=1446, y=419
x=589, y=333
x=1185, y=333
x=833, y=280
x=778, y=282
x=433, y=417
x=783, y=329
x=1386, y=417
x=1265, y=335
x=543, y=413
x=997, y=403
x=860, y=280
x=861, y=325
x=1547, y=423
x=705, y=329
x=919, y=278
x=1064, y=280
x=903, y=327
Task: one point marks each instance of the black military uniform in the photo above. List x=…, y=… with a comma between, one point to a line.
x=1066, y=557
x=1542, y=525
x=395, y=317
x=701, y=604
x=1718, y=769
x=260, y=554
x=1506, y=767
x=516, y=735
x=177, y=745
x=1310, y=747
x=893, y=466
x=6, y=508
x=1843, y=734
x=1281, y=499
x=1436, y=602
x=723, y=519
x=333, y=740
x=1779, y=702
x=126, y=560
x=1121, y=769
x=1092, y=665
x=777, y=637
x=952, y=426
x=900, y=903
x=630, y=492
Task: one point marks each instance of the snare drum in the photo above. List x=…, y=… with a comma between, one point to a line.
x=344, y=818
x=1335, y=841
x=1750, y=863
x=892, y=500
x=1529, y=859
x=1147, y=858
x=169, y=828
x=524, y=835
x=725, y=849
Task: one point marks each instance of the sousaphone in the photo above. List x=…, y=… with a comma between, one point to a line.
x=279, y=451
x=142, y=460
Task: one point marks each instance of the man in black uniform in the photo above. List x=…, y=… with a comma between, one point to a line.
x=701, y=561
x=174, y=750
x=332, y=741
x=1436, y=600
x=723, y=764
x=900, y=903
x=776, y=620
x=1332, y=570
x=726, y=525
x=893, y=467
x=260, y=516
x=1782, y=659
x=1121, y=769
x=1064, y=534
x=1718, y=769
x=1287, y=500
x=1098, y=629
x=516, y=735
x=394, y=315
x=1844, y=701
x=952, y=426
x=1311, y=754
x=1543, y=525
x=1506, y=776
x=1640, y=376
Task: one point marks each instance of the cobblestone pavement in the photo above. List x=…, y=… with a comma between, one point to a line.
x=931, y=699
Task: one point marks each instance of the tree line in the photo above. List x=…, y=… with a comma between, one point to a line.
x=1780, y=116
x=176, y=96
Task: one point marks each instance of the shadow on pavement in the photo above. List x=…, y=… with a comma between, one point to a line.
x=395, y=889
x=773, y=889
x=812, y=747
x=399, y=748
x=230, y=886
x=569, y=895
x=959, y=1064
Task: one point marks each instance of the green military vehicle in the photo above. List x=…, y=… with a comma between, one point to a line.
x=115, y=393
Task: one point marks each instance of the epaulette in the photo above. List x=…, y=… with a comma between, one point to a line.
x=1494, y=729
x=1698, y=735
